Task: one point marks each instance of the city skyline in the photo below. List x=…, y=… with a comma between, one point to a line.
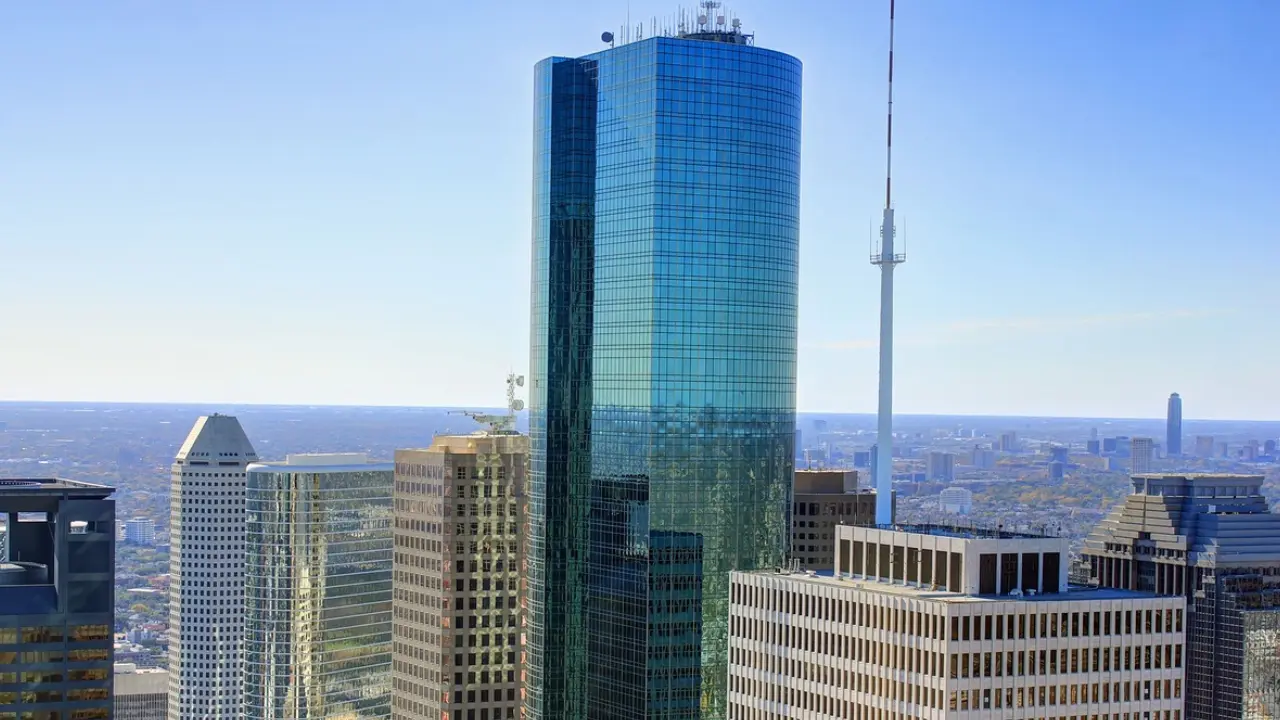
x=149, y=138
x=1239, y=479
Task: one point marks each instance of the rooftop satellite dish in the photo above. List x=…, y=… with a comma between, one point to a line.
x=736, y=23
x=606, y=37
x=520, y=380
x=702, y=19
x=518, y=405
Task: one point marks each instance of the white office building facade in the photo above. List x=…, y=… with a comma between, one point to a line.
x=206, y=567
x=140, y=531
x=874, y=645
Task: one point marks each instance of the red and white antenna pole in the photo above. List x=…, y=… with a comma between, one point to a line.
x=886, y=259
x=888, y=171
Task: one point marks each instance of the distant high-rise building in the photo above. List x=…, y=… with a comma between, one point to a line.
x=663, y=351
x=1093, y=447
x=206, y=571
x=1109, y=445
x=317, y=618
x=942, y=466
x=1213, y=540
x=57, y=600
x=956, y=500
x=942, y=622
x=459, y=521
x=140, y=531
x=1059, y=453
x=862, y=458
x=1173, y=427
x=140, y=693
x=984, y=458
x=1141, y=451
x=1009, y=442
x=1124, y=446
x=799, y=446
x=822, y=500
x=1204, y=446
x=1057, y=470
x=1223, y=450
x=1269, y=447
x=1249, y=452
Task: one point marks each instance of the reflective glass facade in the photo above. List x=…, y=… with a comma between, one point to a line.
x=663, y=356
x=1261, y=685
x=318, y=559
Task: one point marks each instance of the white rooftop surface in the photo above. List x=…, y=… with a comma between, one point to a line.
x=327, y=459
x=1074, y=594
x=322, y=462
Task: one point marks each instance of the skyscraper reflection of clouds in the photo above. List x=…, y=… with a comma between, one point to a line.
x=318, y=556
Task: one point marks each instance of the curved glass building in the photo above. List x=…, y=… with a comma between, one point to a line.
x=318, y=561
x=663, y=364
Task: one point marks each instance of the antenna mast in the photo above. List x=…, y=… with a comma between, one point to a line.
x=886, y=259
x=500, y=424
x=888, y=168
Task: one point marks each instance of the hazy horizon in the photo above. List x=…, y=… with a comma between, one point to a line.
x=218, y=406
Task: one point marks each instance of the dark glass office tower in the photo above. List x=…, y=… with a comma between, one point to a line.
x=663, y=353
x=57, y=599
x=1212, y=539
x=1173, y=427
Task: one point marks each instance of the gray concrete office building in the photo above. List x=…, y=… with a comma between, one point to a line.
x=140, y=693
x=57, y=604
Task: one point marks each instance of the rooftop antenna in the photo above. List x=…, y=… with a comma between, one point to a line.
x=500, y=424
x=886, y=259
x=707, y=17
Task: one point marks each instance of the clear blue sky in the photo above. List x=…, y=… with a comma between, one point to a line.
x=328, y=202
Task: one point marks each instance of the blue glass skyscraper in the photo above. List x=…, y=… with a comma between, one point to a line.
x=663, y=353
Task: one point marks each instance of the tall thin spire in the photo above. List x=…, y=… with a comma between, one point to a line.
x=886, y=259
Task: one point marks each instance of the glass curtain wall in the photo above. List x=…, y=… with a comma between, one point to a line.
x=663, y=353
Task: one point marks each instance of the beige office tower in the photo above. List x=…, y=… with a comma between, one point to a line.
x=457, y=611
x=1141, y=451
x=140, y=693
x=822, y=500
x=930, y=623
